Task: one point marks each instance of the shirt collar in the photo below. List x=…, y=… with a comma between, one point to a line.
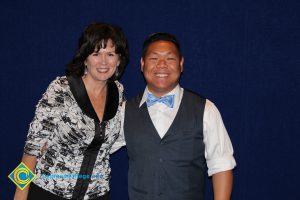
x=177, y=91
x=80, y=94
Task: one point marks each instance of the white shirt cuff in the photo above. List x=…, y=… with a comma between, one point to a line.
x=227, y=162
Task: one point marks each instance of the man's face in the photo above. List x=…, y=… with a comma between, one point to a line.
x=162, y=66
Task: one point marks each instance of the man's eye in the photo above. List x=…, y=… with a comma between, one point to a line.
x=153, y=58
x=171, y=58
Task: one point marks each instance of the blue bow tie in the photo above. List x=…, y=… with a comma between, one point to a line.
x=167, y=100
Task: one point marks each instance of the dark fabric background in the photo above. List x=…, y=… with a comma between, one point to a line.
x=241, y=54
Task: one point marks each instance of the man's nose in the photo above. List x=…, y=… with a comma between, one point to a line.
x=162, y=62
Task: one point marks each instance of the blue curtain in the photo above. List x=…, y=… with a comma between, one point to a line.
x=241, y=54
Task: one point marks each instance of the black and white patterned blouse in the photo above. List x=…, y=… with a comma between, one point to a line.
x=71, y=144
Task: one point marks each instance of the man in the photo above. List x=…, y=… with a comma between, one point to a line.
x=171, y=134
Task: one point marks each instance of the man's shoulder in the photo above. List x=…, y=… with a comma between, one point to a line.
x=192, y=94
x=194, y=102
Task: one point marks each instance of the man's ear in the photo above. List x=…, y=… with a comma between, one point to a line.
x=181, y=63
x=142, y=64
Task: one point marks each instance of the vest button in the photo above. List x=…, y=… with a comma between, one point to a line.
x=161, y=160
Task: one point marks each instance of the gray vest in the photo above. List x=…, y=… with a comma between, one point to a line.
x=171, y=168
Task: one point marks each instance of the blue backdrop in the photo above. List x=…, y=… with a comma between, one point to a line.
x=241, y=54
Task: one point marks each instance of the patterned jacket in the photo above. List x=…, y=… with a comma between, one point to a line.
x=71, y=144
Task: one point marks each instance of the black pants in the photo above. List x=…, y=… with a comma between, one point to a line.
x=37, y=193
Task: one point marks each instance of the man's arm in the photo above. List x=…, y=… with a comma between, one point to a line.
x=30, y=162
x=222, y=185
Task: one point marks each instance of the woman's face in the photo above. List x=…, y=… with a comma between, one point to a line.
x=102, y=64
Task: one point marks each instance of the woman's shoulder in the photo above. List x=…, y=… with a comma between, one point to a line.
x=58, y=86
x=59, y=81
x=119, y=86
x=120, y=90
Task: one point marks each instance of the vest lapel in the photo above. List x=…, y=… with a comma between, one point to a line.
x=146, y=116
x=177, y=119
x=171, y=130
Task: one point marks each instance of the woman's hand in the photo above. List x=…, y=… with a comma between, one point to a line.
x=30, y=162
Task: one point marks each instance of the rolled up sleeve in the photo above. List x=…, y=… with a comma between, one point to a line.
x=218, y=147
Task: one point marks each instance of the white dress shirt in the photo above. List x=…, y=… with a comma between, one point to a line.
x=218, y=147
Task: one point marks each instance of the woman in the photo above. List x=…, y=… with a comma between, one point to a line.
x=77, y=121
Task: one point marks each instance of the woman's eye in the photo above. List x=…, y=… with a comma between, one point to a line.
x=95, y=54
x=111, y=54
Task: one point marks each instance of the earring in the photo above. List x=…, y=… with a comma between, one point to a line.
x=117, y=72
x=85, y=70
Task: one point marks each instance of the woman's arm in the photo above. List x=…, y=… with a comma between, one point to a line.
x=43, y=125
x=30, y=162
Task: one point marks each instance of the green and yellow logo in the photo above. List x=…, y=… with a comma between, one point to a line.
x=21, y=176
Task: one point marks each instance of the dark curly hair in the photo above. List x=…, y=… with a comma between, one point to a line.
x=95, y=37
